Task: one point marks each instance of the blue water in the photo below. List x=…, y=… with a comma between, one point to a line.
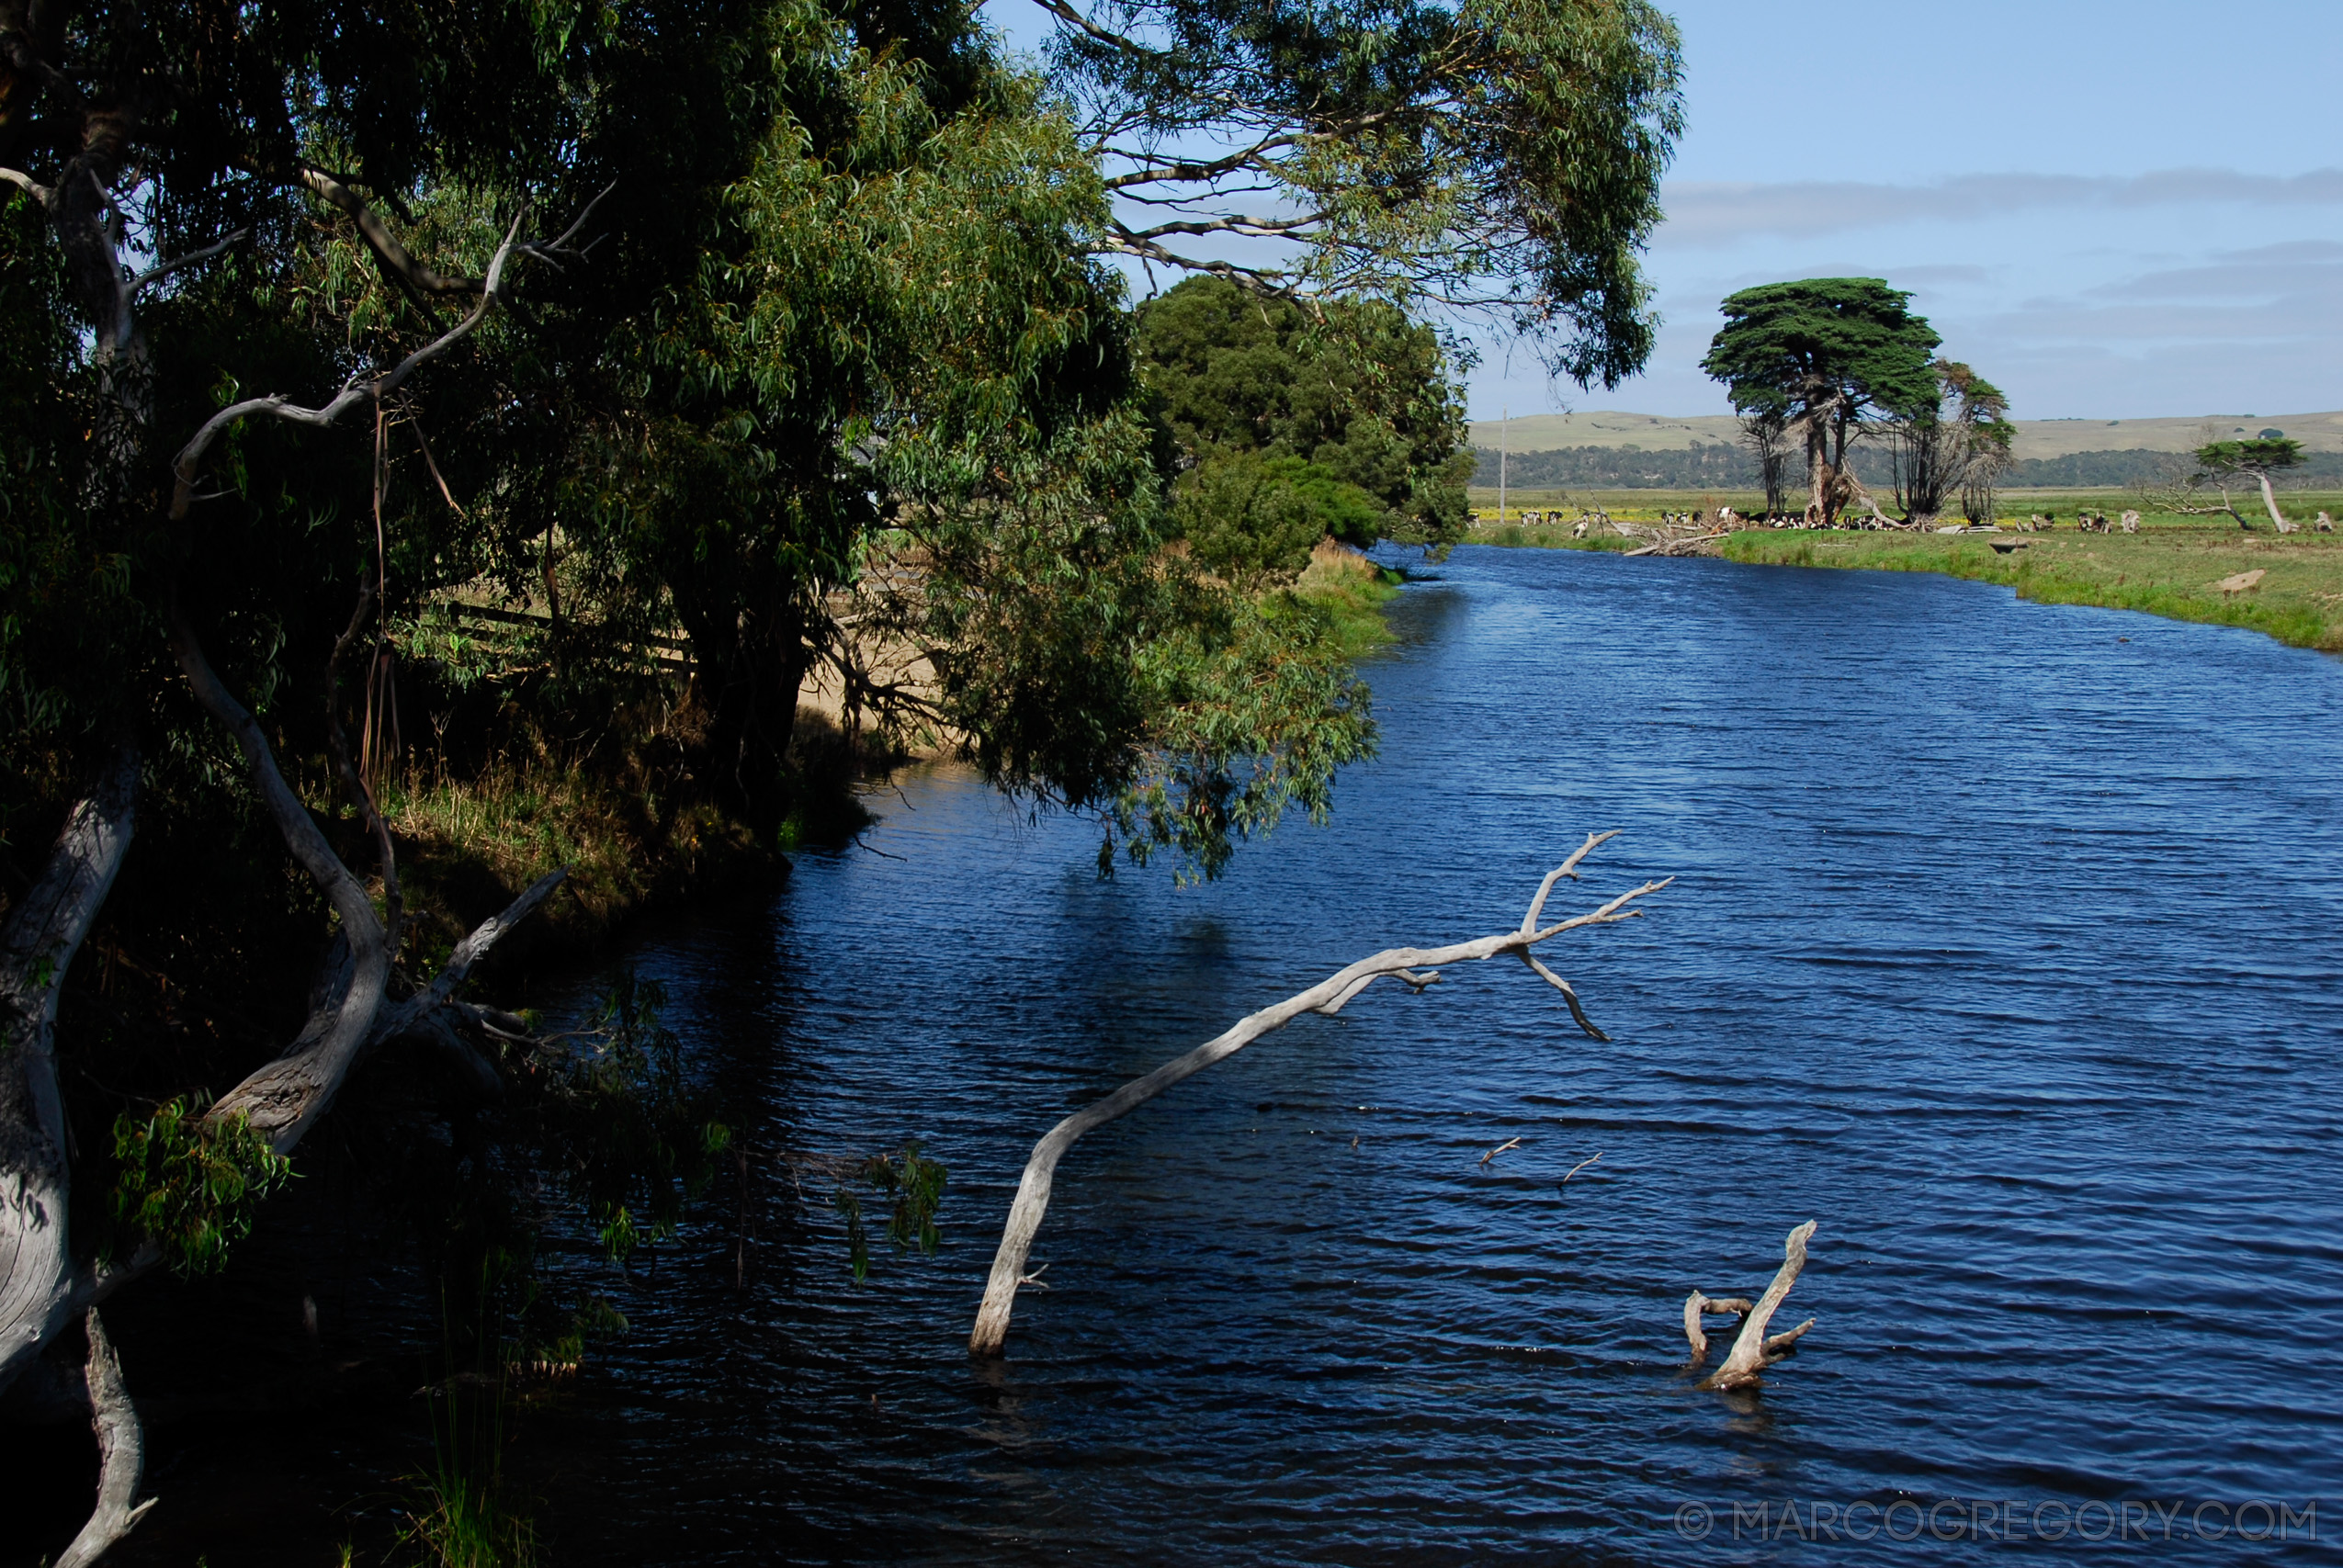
x=2003, y=947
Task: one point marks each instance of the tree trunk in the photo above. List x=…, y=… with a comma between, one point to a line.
x=2270, y=499
x=1753, y=1351
x=122, y=1455
x=751, y=665
x=37, y=947
x=1817, y=472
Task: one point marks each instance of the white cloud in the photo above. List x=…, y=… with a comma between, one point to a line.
x=1711, y=213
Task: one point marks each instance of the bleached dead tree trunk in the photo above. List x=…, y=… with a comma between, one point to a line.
x=37, y=947
x=1417, y=966
x=122, y=1454
x=1752, y=1352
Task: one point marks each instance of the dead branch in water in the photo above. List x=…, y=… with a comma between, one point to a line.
x=1417, y=967
x=1752, y=1352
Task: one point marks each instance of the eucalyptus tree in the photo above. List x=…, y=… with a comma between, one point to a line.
x=1761, y=436
x=1819, y=354
x=780, y=323
x=1957, y=445
x=1494, y=158
x=1296, y=424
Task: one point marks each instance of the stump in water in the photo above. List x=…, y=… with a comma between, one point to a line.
x=1752, y=1352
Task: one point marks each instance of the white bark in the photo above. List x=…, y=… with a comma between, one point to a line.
x=1752, y=1352
x=121, y=1449
x=1418, y=967
x=357, y=390
x=37, y=947
x=2270, y=499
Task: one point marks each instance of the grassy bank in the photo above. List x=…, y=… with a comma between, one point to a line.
x=467, y=845
x=1353, y=591
x=2168, y=572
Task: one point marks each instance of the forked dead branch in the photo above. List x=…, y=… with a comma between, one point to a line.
x=1752, y=1352
x=1416, y=966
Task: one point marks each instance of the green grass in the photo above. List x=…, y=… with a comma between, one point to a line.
x=1632, y=505
x=468, y=844
x=2168, y=569
x=1544, y=536
x=1353, y=591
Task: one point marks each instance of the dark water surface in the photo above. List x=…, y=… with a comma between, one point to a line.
x=2006, y=949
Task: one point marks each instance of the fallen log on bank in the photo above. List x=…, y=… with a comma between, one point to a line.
x=1693, y=545
x=1417, y=967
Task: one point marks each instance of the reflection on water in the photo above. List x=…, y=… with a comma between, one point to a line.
x=2003, y=948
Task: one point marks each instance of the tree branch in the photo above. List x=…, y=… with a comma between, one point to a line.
x=288, y=1094
x=1073, y=18
x=991, y=1332
x=157, y=274
x=31, y=186
x=468, y=953
x=121, y=1449
x=357, y=390
x=386, y=244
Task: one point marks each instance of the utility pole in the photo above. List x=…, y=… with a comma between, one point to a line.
x=1504, y=418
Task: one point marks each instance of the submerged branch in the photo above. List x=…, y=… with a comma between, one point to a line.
x=990, y=1334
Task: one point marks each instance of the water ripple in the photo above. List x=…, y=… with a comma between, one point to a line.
x=2004, y=950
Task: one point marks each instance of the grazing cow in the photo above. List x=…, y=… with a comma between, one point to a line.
x=2131, y=521
x=2325, y=524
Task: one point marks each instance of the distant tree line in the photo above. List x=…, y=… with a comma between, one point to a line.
x=2135, y=465
x=1720, y=467
x=1621, y=467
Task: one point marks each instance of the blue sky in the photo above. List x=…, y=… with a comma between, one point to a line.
x=2104, y=206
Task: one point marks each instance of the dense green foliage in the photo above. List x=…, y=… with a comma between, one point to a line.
x=1787, y=346
x=802, y=370
x=1495, y=156
x=1302, y=424
x=189, y=1187
x=1820, y=354
x=837, y=358
x=2264, y=455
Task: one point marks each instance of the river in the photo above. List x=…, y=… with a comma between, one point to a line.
x=2003, y=944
